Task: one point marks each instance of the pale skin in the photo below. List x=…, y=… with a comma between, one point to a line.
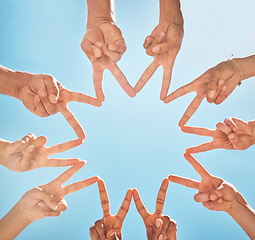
x=218, y=195
x=30, y=153
x=233, y=134
x=44, y=201
x=216, y=84
x=158, y=226
x=109, y=227
x=104, y=45
x=164, y=44
x=43, y=95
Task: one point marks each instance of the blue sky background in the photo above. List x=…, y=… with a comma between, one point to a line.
x=131, y=143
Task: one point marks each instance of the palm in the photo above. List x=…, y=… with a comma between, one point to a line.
x=112, y=223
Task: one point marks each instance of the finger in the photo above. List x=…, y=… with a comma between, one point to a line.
x=61, y=206
x=139, y=205
x=70, y=118
x=48, y=106
x=55, y=162
x=196, y=165
x=221, y=97
x=209, y=205
x=166, y=221
x=213, y=85
x=230, y=123
x=119, y=47
x=201, y=148
x=148, y=41
x=80, y=185
x=112, y=236
x=146, y=76
x=237, y=143
x=39, y=108
x=93, y=233
x=156, y=229
x=93, y=52
x=121, y=79
x=198, y=131
x=70, y=172
x=52, y=88
x=125, y=206
x=187, y=182
x=47, y=213
x=161, y=196
x=104, y=197
x=159, y=38
x=100, y=229
x=224, y=128
x=165, y=46
x=202, y=197
x=62, y=147
x=98, y=84
x=40, y=141
x=179, y=92
x=172, y=230
x=28, y=138
x=115, y=56
x=190, y=110
x=166, y=82
x=83, y=98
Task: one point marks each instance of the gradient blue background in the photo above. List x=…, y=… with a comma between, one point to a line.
x=131, y=143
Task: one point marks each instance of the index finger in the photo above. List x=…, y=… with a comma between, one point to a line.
x=196, y=165
x=166, y=82
x=83, y=98
x=62, y=147
x=70, y=172
x=187, y=182
x=161, y=196
x=190, y=110
x=198, y=131
x=125, y=206
x=104, y=198
x=179, y=92
x=139, y=205
x=121, y=79
x=70, y=118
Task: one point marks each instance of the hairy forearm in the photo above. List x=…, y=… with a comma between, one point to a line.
x=247, y=66
x=244, y=215
x=100, y=11
x=171, y=10
x=12, y=224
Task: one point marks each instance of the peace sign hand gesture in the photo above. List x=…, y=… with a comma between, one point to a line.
x=163, y=44
x=30, y=153
x=158, y=226
x=216, y=84
x=43, y=95
x=233, y=133
x=109, y=227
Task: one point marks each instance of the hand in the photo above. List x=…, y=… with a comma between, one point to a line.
x=43, y=95
x=104, y=45
x=30, y=153
x=163, y=44
x=158, y=226
x=214, y=193
x=110, y=226
x=233, y=133
x=48, y=200
x=216, y=84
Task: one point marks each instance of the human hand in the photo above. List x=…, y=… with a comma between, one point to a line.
x=104, y=45
x=233, y=133
x=109, y=227
x=158, y=226
x=30, y=153
x=163, y=44
x=214, y=193
x=216, y=84
x=43, y=95
x=48, y=200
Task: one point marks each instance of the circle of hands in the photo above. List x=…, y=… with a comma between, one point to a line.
x=104, y=45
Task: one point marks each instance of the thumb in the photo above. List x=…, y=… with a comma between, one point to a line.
x=236, y=142
x=156, y=229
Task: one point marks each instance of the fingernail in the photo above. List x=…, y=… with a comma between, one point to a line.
x=211, y=94
x=99, y=44
x=155, y=49
x=213, y=197
x=40, y=204
x=160, y=237
x=157, y=223
x=30, y=148
x=54, y=206
x=147, y=39
x=53, y=99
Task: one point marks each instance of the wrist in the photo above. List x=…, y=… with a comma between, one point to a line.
x=3, y=145
x=246, y=66
x=238, y=204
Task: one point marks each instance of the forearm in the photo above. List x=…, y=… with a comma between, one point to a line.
x=251, y=125
x=3, y=144
x=244, y=215
x=171, y=10
x=12, y=224
x=11, y=81
x=100, y=11
x=247, y=66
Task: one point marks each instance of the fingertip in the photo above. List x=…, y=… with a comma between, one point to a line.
x=158, y=223
x=155, y=49
x=98, y=43
x=30, y=148
x=211, y=94
x=53, y=99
